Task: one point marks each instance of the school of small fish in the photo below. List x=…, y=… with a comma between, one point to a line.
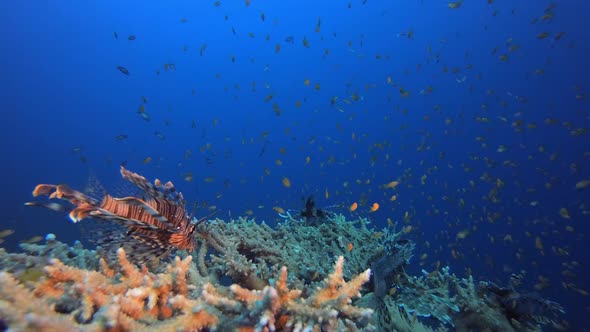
x=379, y=143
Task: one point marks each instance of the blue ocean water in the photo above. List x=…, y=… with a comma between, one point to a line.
x=479, y=112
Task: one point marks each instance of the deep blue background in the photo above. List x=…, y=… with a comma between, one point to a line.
x=60, y=89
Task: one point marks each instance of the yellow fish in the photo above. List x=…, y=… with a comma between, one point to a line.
x=286, y=182
x=391, y=184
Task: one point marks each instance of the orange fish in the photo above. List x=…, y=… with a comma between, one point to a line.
x=278, y=48
x=374, y=207
x=353, y=207
x=391, y=184
x=286, y=182
x=350, y=246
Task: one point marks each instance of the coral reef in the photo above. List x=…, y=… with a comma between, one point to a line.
x=251, y=253
x=72, y=299
x=248, y=276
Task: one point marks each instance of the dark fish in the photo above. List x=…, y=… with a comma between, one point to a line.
x=121, y=137
x=149, y=228
x=115, y=35
x=290, y=39
x=123, y=70
x=263, y=148
x=131, y=37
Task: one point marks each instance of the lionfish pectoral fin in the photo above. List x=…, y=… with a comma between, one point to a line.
x=44, y=189
x=84, y=205
x=52, y=206
x=148, y=209
x=64, y=192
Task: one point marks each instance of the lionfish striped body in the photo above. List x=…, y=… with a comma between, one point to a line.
x=153, y=226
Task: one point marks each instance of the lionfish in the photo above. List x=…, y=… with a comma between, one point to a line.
x=151, y=227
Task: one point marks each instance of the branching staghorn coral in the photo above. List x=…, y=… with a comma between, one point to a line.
x=279, y=308
x=72, y=299
x=250, y=252
x=129, y=298
x=194, y=294
x=472, y=306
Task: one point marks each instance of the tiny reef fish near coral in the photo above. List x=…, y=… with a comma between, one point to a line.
x=154, y=225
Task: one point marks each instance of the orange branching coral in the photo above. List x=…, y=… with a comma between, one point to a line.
x=277, y=307
x=16, y=301
x=336, y=289
x=135, y=295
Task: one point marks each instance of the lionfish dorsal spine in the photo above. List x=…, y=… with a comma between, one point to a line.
x=157, y=190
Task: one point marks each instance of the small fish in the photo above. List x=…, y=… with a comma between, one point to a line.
x=462, y=234
x=6, y=232
x=131, y=37
x=391, y=184
x=583, y=184
x=123, y=70
x=564, y=213
x=188, y=177
x=374, y=207
x=144, y=116
x=147, y=160
x=286, y=182
x=34, y=239
x=353, y=207
x=120, y=138
x=305, y=42
x=159, y=134
x=455, y=5
x=115, y=35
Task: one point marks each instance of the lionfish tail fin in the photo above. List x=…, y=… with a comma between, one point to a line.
x=84, y=204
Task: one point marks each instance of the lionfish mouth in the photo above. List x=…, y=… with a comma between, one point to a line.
x=151, y=226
